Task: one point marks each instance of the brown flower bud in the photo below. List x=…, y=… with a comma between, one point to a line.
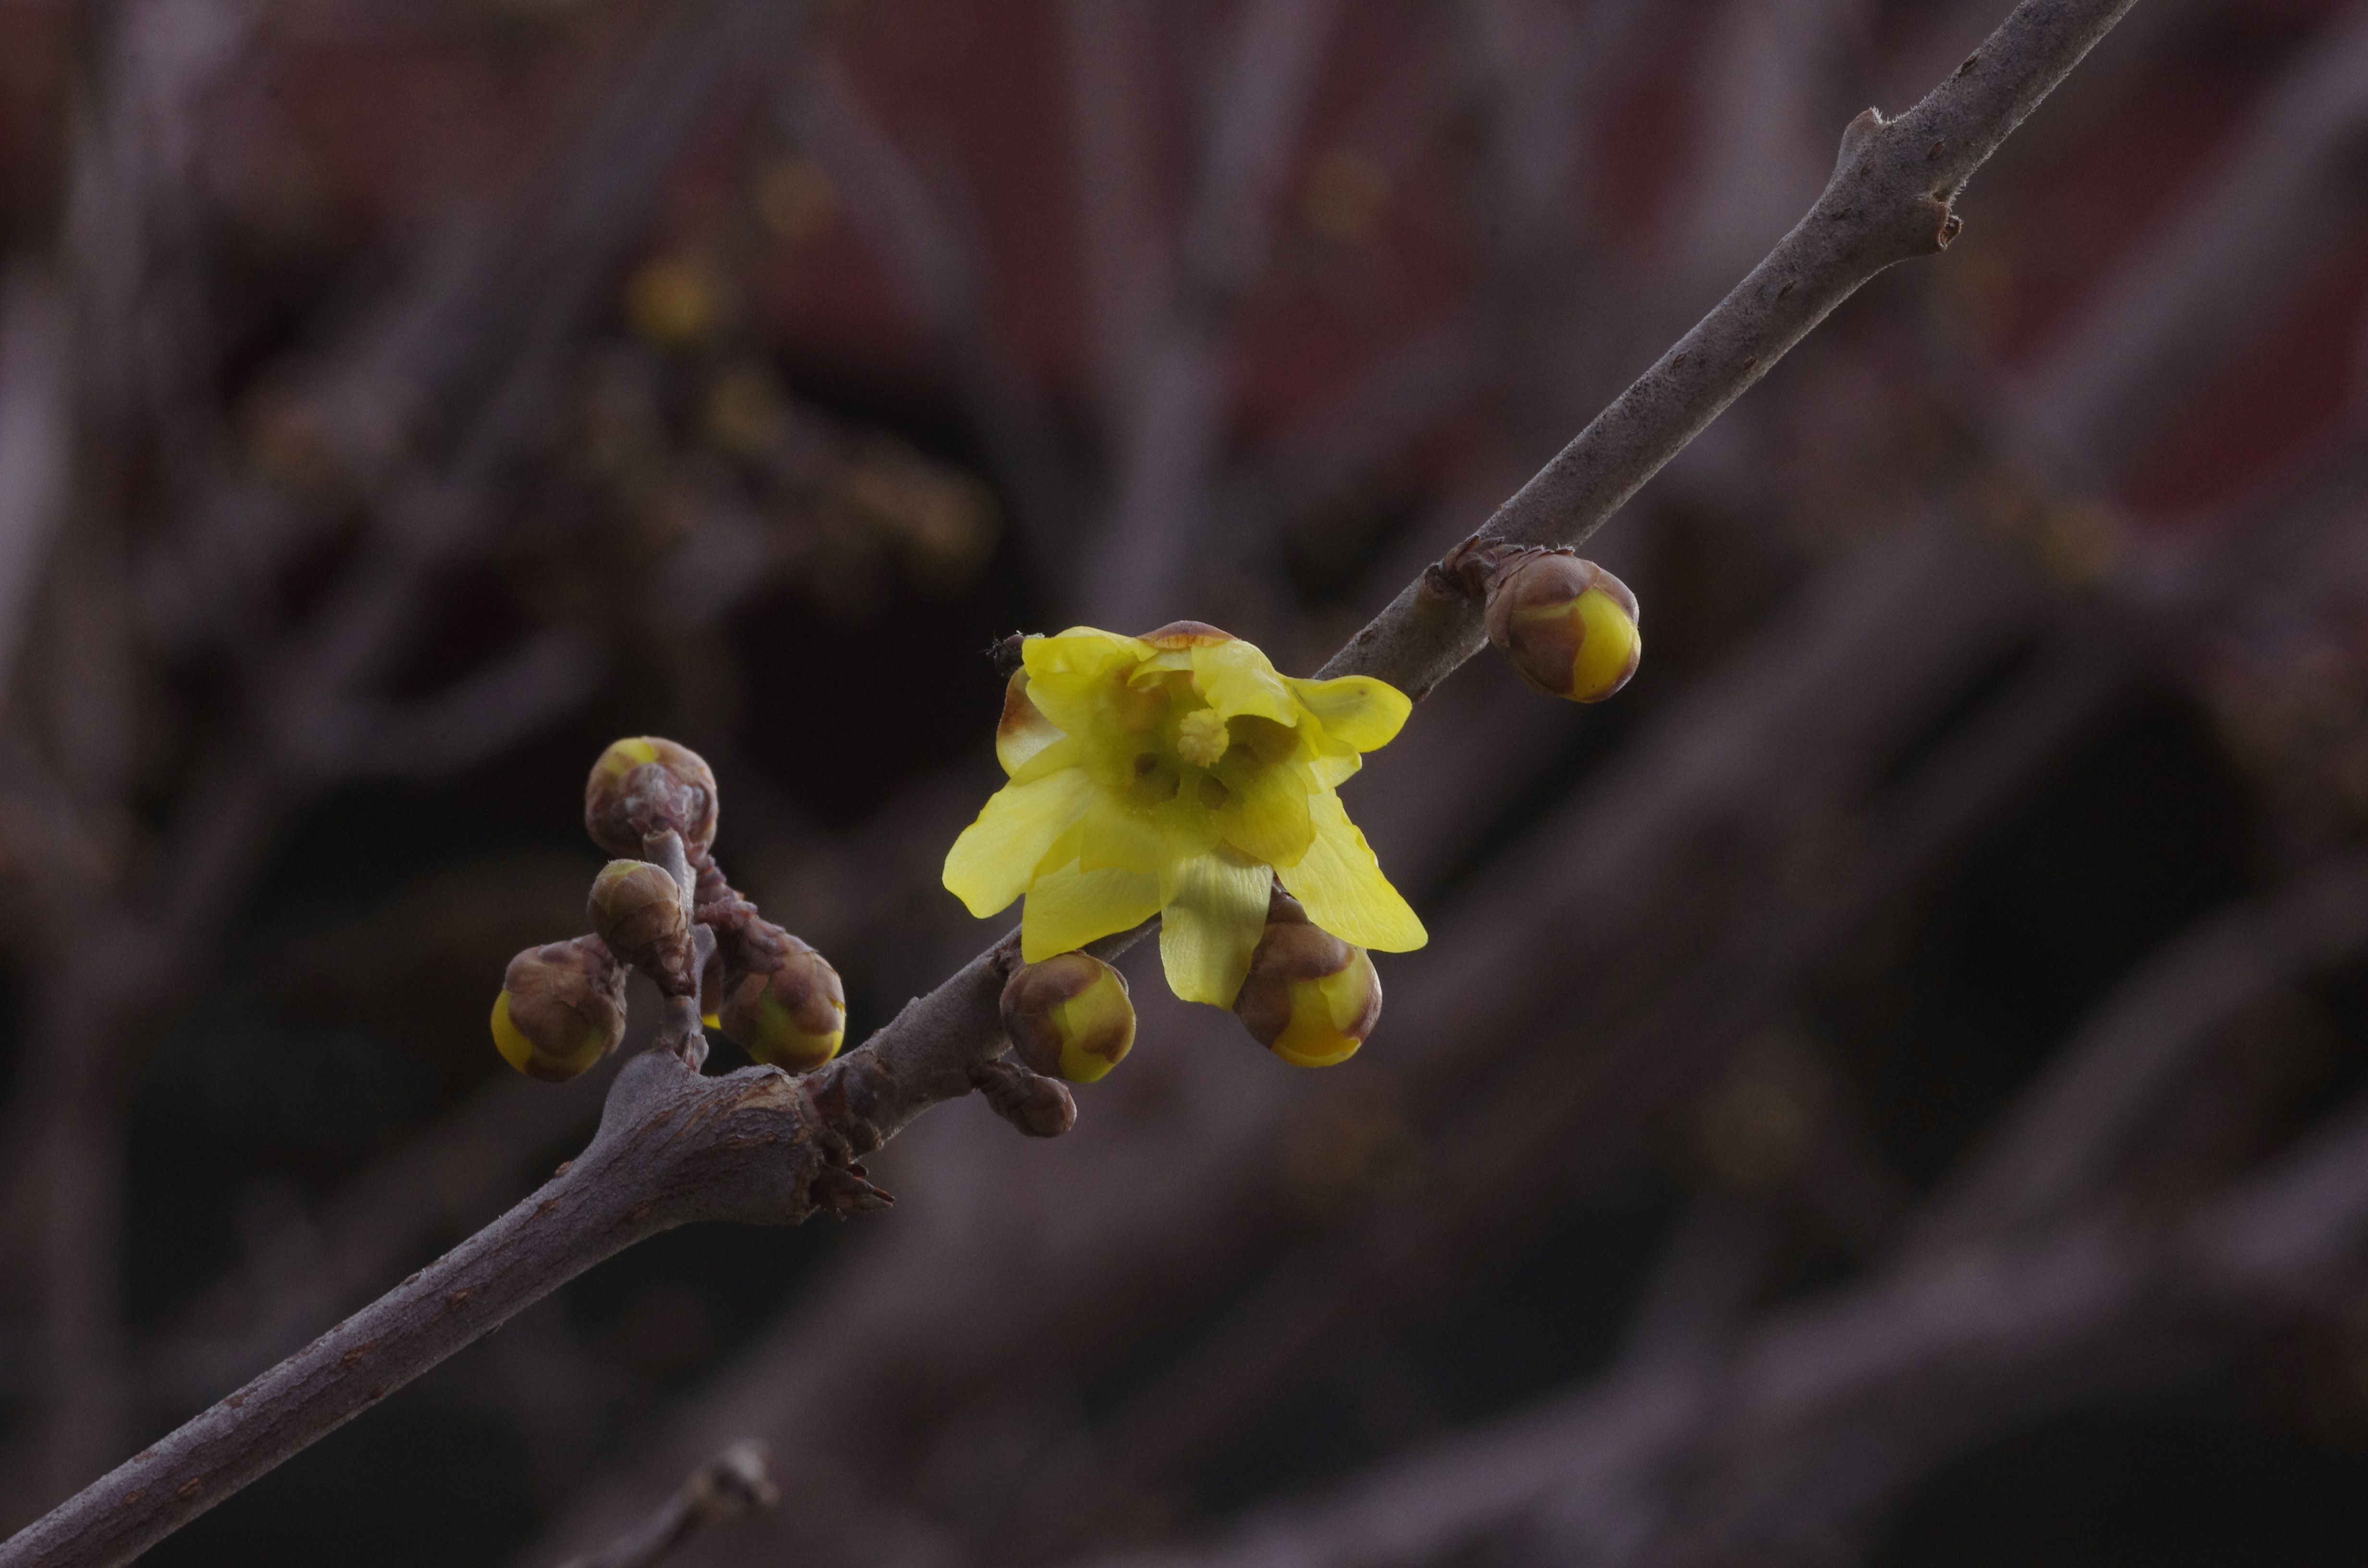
x=1568, y=626
x=562, y=1008
x=1038, y=1105
x=1069, y=1017
x=646, y=785
x=637, y=910
x=1311, y=998
x=787, y=1008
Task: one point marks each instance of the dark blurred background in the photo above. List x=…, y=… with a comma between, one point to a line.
x=1885, y=1089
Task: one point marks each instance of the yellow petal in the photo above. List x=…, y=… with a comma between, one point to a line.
x=1023, y=730
x=1343, y=888
x=1265, y=812
x=1079, y=659
x=1162, y=662
x=991, y=862
x=1068, y=907
x=1069, y=676
x=1188, y=828
x=1065, y=751
x=1235, y=678
x=1111, y=836
x=1356, y=710
x=1215, y=913
x=1334, y=765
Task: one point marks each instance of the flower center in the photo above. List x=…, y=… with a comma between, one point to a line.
x=1201, y=737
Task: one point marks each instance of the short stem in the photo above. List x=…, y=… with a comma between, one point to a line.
x=684, y=1032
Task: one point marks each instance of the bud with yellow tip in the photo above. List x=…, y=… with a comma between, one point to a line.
x=780, y=1002
x=637, y=910
x=1311, y=998
x=1568, y=626
x=562, y=1008
x=644, y=785
x=1070, y=1017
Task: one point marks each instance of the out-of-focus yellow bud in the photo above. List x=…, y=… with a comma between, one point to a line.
x=1311, y=998
x=792, y=1015
x=642, y=785
x=562, y=1008
x=638, y=911
x=1069, y=1017
x=1568, y=626
x=674, y=301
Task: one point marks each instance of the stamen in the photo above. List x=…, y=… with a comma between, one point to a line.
x=1201, y=737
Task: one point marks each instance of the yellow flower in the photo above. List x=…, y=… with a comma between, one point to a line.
x=1177, y=775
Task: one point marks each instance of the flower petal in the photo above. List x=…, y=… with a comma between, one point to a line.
x=1358, y=710
x=1023, y=730
x=1111, y=834
x=1070, y=907
x=1236, y=679
x=1334, y=765
x=1067, y=751
x=1187, y=827
x=1215, y=913
x=1264, y=814
x=991, y=862
x=1068, y=676
x=1343, y=888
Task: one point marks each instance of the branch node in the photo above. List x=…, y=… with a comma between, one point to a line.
x=1858, y=136
x=1467, y=570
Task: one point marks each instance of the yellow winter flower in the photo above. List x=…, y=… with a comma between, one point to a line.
x=1165, y=775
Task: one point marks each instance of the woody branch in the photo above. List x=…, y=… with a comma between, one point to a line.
x=759, y=1147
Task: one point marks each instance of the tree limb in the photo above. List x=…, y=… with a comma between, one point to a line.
x=758, y=1147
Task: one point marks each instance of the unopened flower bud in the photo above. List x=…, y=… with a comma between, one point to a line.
x=646, y=785
x=793, y=1014
x=562, y=1008
x=1069, y=1017
x=1568, y=626
x=638, y=911
x=1038, y=1105
x=1311, y=998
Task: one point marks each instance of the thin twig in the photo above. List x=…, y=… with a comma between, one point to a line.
x=731, y=1484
